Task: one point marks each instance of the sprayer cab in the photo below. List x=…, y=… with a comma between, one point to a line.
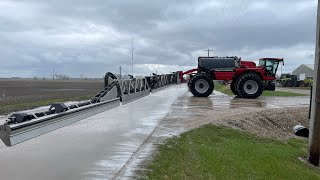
x=270, y=65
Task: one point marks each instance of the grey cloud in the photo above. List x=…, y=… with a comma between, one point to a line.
x=92, y=37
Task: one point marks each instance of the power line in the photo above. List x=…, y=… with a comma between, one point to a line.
x=221, y=15
x=218, y=16
x=241, y=9
x=125, y=71
x=243, y=6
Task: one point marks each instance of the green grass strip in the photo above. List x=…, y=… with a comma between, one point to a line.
x=213, y=152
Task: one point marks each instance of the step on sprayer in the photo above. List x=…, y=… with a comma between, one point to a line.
x=20, y=127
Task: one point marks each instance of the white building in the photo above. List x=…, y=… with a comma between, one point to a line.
x=304, y=71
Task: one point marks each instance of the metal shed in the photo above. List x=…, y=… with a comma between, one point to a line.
x=304, y=71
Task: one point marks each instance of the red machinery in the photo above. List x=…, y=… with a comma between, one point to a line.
x=248, y=79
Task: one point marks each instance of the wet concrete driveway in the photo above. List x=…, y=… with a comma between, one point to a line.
x=109, y=145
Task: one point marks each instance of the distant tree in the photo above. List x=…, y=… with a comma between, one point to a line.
x=308, y=82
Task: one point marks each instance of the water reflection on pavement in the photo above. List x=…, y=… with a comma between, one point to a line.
x=112, y=144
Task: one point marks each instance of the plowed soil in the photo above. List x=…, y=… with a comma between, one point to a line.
x=23, y=91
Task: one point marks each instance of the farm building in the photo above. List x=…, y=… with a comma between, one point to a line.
x=304, y=71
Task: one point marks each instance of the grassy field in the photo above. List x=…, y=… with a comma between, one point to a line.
x=227, y=90
x=212, y=152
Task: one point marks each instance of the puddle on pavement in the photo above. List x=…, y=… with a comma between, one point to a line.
x=196, y=102
x=217, y=101
x=222, y=101
x=240, y=103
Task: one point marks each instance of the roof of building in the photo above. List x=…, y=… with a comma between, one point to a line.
x=311, y=66
x=307, y=69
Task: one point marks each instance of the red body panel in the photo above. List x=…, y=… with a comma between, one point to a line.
x=190, y=71
x=181, y=73
x=226, y=76
x=247, y=64
x=229, y=75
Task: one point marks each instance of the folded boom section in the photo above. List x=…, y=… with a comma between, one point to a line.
x=24, y=126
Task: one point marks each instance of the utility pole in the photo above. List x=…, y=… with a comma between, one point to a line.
x=120, y=73
x=132, y=57
x=314, y=136
x=53, y=72
x=208, y=50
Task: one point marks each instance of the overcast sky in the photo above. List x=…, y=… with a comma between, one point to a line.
x=92, y=37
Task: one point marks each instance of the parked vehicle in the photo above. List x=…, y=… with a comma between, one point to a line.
x=289, y=80
x=248, y=79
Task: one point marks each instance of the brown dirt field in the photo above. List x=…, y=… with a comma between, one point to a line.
x=253, y=115
x=26, y=90
x=274, y=123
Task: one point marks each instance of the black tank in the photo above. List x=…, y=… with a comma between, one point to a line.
x=210, y=63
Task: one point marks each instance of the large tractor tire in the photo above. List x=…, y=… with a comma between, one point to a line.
x=270, y=86
x=201, y=85
x=288, y=83
x=233, y=87
x=249, y=85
